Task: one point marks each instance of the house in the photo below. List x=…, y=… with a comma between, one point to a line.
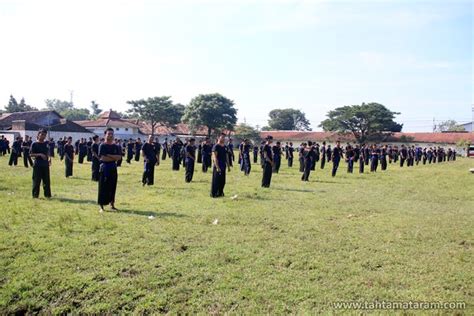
x=28, y=123
x=123, y=128
x=468, y=127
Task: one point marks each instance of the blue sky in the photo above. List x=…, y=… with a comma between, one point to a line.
x=415, y=57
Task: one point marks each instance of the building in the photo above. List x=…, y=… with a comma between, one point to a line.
x=123, y=128
x=28, y=123
x=468, y=127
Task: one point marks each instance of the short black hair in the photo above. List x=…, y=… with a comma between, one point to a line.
x=42, y=131
x=108, y=129
x=269, y=137
x=95, y=137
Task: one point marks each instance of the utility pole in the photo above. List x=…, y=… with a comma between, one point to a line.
x=71, y=93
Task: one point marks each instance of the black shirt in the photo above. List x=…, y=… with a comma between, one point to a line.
x=108, y=149
x=191, y=150
x=40, y=148
x=149, y=151
x=221, y=155
x=267, y=150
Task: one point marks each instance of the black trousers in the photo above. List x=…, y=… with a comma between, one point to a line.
x=68, y=163
x=267, y=174
x=402, y=161
x=206, y=162
x=13, y=159
x=27, y=159
x=350, y=166
x=176, y=163
x=361, y=166
x=129, y=156
x=137, y=156
x=255, y=157
x=246, y=165
x=95, y=169
x=276, y=165
x=383, y=163
x=335, y=165
x=149, y=173
x=290, y=162
x=81, y=157
x=301, y=160
x=163, y=156
x=107, y=187
x=323, y=162
x=374, y=163
x=188, y=177
x=307, y=170
x=218, y=183
x=41, y=174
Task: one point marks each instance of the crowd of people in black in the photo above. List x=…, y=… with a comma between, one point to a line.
x=108, y=152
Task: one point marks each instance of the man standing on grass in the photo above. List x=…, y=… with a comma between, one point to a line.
x=109, y=154
x=220, y=161
x=336, y=157
x=190, y=152
x=267, y=162
x=150, y=159
x=308, y=160
x=176, y=153
x=95, y=158
x=25, y=146
x=291, y=155
x=206, y=154
x=69, y=157
x=39, y=151
x=130, y=146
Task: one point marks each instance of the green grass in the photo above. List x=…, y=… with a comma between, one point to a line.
x=403, y=234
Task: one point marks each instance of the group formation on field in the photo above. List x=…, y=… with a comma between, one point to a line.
x=106, y=154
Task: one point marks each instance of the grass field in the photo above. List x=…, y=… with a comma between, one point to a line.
x=400, y=235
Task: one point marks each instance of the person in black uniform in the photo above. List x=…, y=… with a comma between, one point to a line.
x=323, y=155
x=82, y=150
x=61, y=144
x=69, y=157
x=176, y=153
x=15, y=152
x=262, y=159
x=350, y=157
x=374, y=158
x=403, y=155
x=206, y=154
x=130, y=148
x=336, y=157
x=190, y=150
x=276, y=157
x=199, y=152
x=51, y=147
x=291, y=155
x=25, y=146
x=383, y=158
x=157, y=150
x=367, y=154
x=150, y=159
x=362, y=159
x=268, y=163
x=138, y=149
x=328, y=154
x=255, y=153
x=301, y=150
x=316, y=156
x=109, y=154
x=309, y=156
x=165, y=149
x=95, y=158
x=230, y=152
x=245, y=157
x=89, y=149
x=220, y=162
x=39, y=151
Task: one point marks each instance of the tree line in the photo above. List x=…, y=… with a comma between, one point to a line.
x=217, y=113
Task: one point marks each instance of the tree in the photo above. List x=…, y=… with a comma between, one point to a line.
x=448, y=126
x=14, y=106
x=288, y=119
x=363, y=121
x=211, y=110
x=157, y=110
x=75, y=114
x=95, y=109
x=58, y=105
x=243, y=131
